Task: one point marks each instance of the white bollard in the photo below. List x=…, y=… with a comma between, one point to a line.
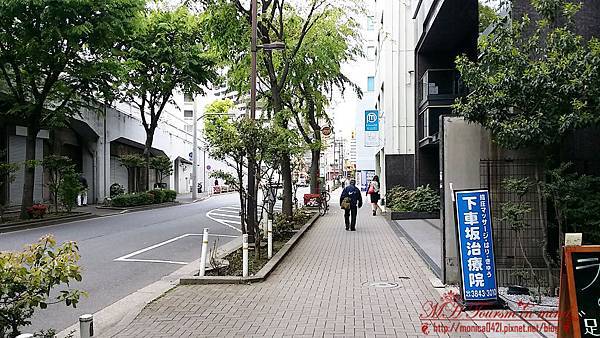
x=204, y=252
x=245, y=255
x=270, y=238
x=86, y=326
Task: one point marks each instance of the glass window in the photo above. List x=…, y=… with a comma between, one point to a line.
x=371, y=53
x=188, y=98
x=370, y=23
x=188, y=113
x=371, y=83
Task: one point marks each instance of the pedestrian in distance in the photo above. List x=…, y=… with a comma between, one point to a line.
x=82, y=196
x=350, y=201
x=373, y=190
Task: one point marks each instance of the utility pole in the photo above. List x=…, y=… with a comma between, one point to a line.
x=195, y=150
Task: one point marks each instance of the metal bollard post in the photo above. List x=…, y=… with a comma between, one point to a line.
x=270, y=238
x=204, y=252
x=245, y=255
x=86, y=326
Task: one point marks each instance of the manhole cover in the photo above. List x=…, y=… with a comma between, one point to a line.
x=383, y=285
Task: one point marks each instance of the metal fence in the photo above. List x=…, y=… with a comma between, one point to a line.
x=509, y=258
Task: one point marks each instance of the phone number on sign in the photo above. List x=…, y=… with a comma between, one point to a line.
x=481, y=293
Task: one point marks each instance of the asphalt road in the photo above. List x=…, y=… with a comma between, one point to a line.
x=102, y=240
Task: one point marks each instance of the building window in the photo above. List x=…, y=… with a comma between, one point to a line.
x=371, y=83
x=370, y=23
x=371, y=53
x=189, y=128
x=188, y=113
x=188, y=98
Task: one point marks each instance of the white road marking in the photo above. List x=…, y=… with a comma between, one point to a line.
x=225, y=215
x=127, y=258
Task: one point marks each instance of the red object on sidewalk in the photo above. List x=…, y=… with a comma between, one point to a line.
x=311, y=199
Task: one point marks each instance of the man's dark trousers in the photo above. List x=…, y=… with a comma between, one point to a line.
x=350, y=218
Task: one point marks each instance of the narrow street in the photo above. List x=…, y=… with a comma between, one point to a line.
x=150, y=245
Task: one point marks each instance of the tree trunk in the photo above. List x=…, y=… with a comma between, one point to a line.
x=314, y=170
x=147, y=147
x=286, y=177
x=29, y=171
x=545, y=233
x=243, y=220
x=286, y=161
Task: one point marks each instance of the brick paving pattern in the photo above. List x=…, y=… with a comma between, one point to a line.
x=321, y=289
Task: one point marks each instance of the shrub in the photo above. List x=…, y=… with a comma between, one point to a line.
x=170, y=195
x=143, y=198
x=159, y=195
x=116, y=189
x=69, y=190
x=27, y=278
x=283, y=228
x=37, y=211
x=422, y=199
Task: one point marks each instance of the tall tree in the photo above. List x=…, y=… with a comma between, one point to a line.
x=55, y=59
x=165, y=54
x=316, y=74
x=278, y=21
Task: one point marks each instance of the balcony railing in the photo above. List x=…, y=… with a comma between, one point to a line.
x=429, y=125
x=440, y=85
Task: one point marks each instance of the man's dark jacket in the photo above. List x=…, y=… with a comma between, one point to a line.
x=354, y=194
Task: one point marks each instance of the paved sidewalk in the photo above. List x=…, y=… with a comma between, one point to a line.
x=321, y=289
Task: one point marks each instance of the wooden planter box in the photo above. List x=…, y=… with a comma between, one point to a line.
x=397, y=215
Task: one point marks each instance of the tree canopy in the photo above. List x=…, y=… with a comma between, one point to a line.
x=165, y=54
x=536, y=81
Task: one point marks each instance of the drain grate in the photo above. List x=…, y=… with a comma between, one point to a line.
x=382, y=285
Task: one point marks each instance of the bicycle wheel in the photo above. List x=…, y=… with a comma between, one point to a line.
x=327, y=196
x=322, y=209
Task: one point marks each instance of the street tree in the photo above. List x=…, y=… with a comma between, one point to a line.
x=316, y=74
x=7, y=176
x=536, y=81
x=165, y=54
x=132, y=162
x=55, y=60
x=228, y=30
x=57, y=166
x=163, y=167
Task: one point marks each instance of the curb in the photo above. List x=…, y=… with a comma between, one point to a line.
x=260, y=275
x=44, y=223
x=142, y=207
x=113, y=319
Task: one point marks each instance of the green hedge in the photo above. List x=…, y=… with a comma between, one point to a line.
x=144, y=198
x=422, y=199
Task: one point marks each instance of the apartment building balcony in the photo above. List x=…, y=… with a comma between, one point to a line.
x=438, y=89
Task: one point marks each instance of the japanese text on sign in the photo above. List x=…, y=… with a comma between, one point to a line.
x=476, y=245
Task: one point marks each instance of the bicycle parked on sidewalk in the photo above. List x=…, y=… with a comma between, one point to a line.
x=323, y=205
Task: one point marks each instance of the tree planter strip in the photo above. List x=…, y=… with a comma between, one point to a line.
x=266, y=270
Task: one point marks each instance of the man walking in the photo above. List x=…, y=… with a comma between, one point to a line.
x=352, y=195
